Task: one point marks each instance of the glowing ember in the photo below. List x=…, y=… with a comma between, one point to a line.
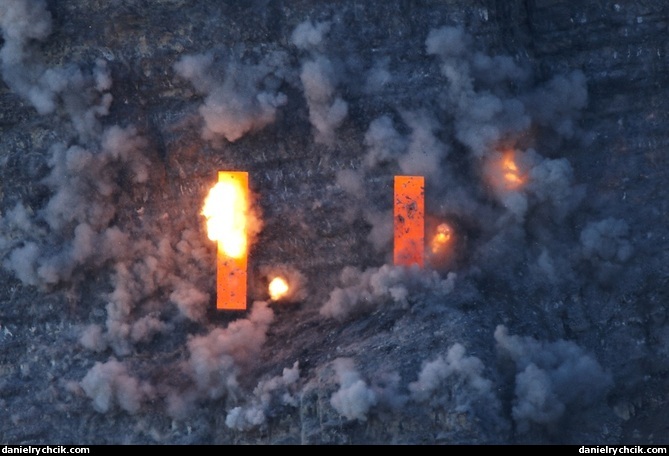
x=409, y=220
x=512, y=177
x=441, y=238
x=226, y=211
x=278, y=288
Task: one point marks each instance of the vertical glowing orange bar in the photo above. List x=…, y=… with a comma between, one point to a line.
x=409, y=221
x=230, y=271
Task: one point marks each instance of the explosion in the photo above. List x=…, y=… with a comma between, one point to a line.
x=278, y=287
x=502, y=238
x=225, y=209
x=512, y=176
x=504, y=173
x=441, y=244
x=441, y=238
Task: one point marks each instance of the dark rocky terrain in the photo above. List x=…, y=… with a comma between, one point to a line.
x=546, y=322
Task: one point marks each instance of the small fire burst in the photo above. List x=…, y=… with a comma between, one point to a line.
x=283, y=283
x=441, y=243
x=503, y=172
x=441, y=238
x=226, y=210
x=512, y=177
x=278, y=288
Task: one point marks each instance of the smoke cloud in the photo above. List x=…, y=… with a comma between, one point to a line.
x=363, y=291
x=25, y=22
x=109, y=384
x=606, y=247
x=552, y=379
x=214, y=358
x=354, y=398
x=456, y=382
x=82, y=94
x=327, y=110
x=239, y=98
x=267, y=400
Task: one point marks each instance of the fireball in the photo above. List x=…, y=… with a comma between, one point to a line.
x=278, y=287
x=512, y=176
x=504, y=173
x=441, y=238
x=225, y=209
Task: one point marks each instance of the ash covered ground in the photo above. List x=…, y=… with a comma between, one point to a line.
x=543, y=320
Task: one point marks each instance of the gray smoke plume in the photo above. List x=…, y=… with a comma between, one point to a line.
x=239, y=98
x=319, y=78
x=78, y=216
x=363, y=291
x=457, y=383
x=82, y=94
x=268, y=397
x=214, y=357
x=109, y=384
x=354, y=397
x=606, y=247
x=553, y=379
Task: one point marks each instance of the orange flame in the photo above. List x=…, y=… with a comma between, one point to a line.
x=278, y=287
x=226, y=211
x=441, y=238
x=512, y=177
x=441, y=243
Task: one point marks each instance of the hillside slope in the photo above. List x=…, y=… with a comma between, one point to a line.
x=539, y=127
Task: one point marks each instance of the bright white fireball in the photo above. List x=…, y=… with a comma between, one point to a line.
x=225, y=209
x=278, y=288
